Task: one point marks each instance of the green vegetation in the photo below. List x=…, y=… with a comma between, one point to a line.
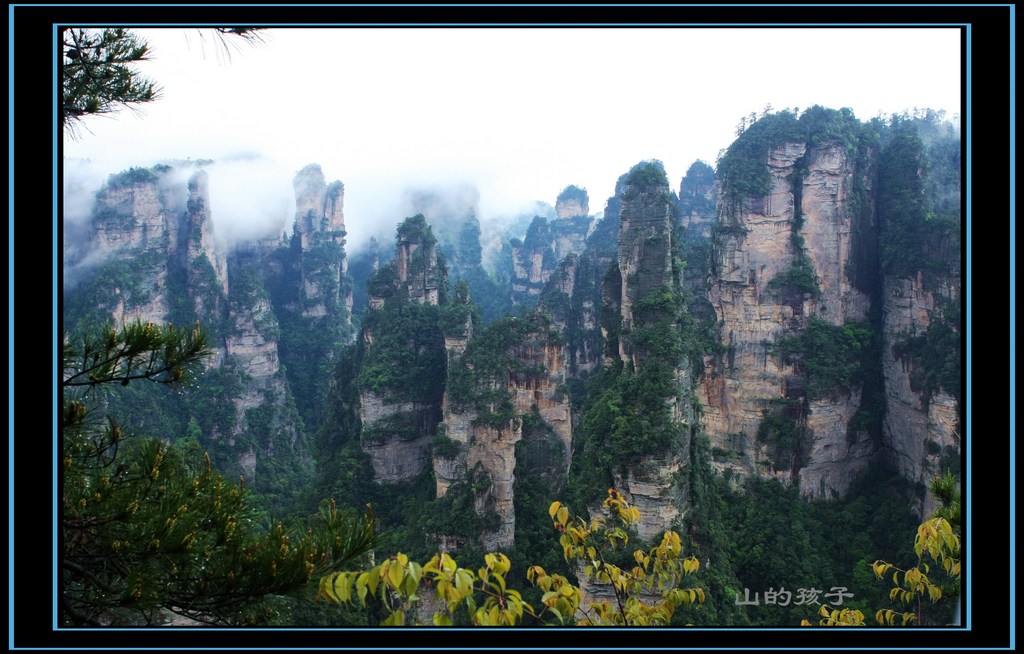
x=134, y=176
x=539, y=476
x=120, y=279
x=443, y=446
x=918, y=201
x=935, y=353
x=151, y=530
x=799, y=277
x=647, y=173
x=764, y=536
x=901, y=202
x=469, y=250
x=415, y=229
x=830, y=357
x=742, y=170
x=361, y=270
x=458, y=316
x=627, y=414
x=478, y=380
x=784, y=430
x=838, y=126
x=407, y=358
x=573, y=192
x=647, y=594
x=98, y=74
x=456, y=515
x=696, y=190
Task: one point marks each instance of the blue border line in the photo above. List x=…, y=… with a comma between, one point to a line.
x=966, y=445
x=1013, y=320
x=10, y=325
x=143, y=25
x=56, y=333
x=965, y=441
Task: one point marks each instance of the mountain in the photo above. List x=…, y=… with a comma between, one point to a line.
x=789, y=316
x=277, y=311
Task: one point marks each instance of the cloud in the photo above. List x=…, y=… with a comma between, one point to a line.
x=251, y=197
x=516, y=113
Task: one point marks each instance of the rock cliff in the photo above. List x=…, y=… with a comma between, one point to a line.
x=401, y=385
x=162, y=261
x=919, y=219
x=510, y=375
x=546, y=243
x=837, y=304
x=320, y=227
x=781, y=260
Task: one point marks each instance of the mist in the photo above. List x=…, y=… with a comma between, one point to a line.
x=252, y=197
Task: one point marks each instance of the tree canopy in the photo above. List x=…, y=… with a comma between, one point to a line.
x=149, y=529
x=99, y=74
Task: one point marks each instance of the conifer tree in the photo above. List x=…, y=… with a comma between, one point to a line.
x=149, y=529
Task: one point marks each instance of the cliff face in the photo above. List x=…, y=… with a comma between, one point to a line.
x=836, y=285
x=922, y=428
x=265, y=425
x=533, y=261
x=163, y=262
x=920, y=220
x=396, y=435
x=206, y=265
x=649, y=290
x=320, y=227
x=505, y=385
x=401, y=384
x=536, y=257
x=572, y=202
x=417, y=268
x=781, y=260
x=698, y=197
x=138, y=217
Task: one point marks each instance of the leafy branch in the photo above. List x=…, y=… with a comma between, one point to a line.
x=399, y=583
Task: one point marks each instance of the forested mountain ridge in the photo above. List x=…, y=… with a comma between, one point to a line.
x=793, y=315
x=277, y=311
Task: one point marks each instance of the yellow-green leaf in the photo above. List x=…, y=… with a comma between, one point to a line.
x=442, y=620
x=396, y=619
x=562, y=516
x=395, y=574
x=342, y=586
x=463, y=582
x=372, y=580
x=325, y=589
x=361, y=583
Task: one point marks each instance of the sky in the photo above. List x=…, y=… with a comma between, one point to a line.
x=519, y=113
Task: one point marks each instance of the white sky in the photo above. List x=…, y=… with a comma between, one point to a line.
x=520, y=113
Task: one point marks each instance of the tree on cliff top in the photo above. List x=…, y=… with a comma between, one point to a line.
x=149, y=529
